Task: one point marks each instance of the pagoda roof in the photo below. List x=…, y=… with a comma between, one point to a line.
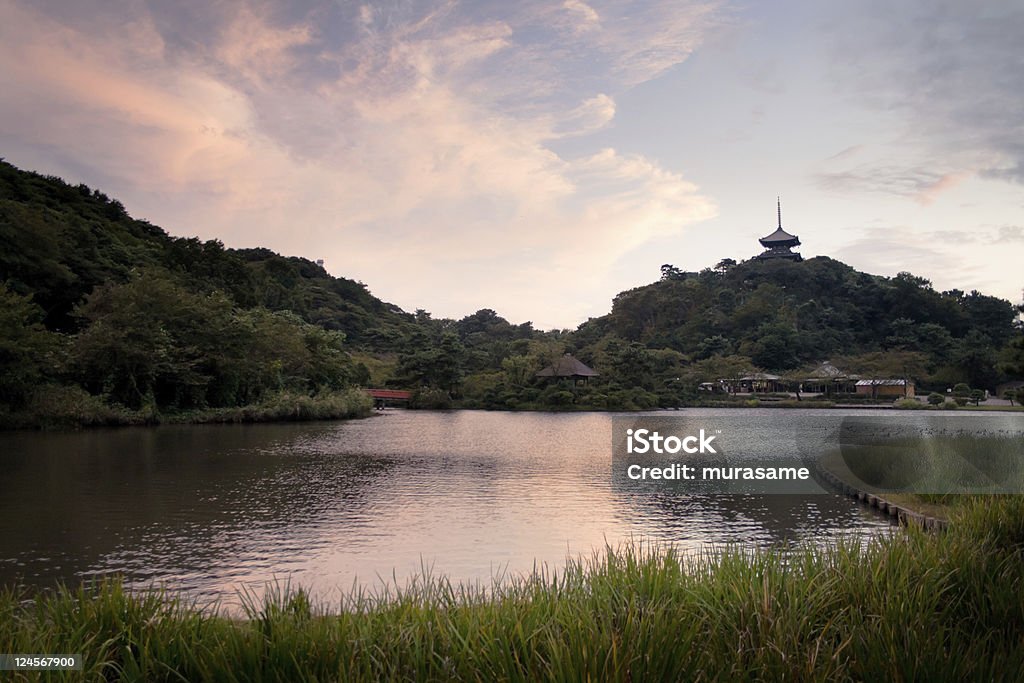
x=567, y=366
x=779, y=238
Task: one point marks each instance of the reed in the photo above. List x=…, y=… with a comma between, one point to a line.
x=910, y=606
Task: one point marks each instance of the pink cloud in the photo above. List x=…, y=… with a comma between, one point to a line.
x=406, y=161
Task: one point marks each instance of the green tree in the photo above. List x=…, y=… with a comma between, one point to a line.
x=712, y=346
x=1011, y=358
x=719, y=368
x=518, y=370
x=128, y=347
x=632, y=364
x=961, y=393
x=725, y=265
x=975, y=354
x=436, y=367
x=936, y=399
x=28, y=352
x=670, y=272
x=887, y=364
x=152, y=341
x=777, y=346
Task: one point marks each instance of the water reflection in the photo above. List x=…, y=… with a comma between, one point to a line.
x=470, y=494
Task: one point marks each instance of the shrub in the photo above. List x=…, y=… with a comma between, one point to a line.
x=558, y=398
x=71, y=406
x=645, y=400
x=908, y=404
x=962, y=390
x=430, y=399
x=806, y=403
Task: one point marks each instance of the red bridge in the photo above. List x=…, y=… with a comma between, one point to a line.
x=382, y=396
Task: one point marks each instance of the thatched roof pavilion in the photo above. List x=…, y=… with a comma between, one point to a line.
x=568, y=366
x=828, y=379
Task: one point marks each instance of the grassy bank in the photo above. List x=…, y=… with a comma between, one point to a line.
x=915, y=606
x=72, y=408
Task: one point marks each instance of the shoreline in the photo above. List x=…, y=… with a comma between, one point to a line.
x=899, y=606
x=301, y=408
x=906, y=509
x=283, y=407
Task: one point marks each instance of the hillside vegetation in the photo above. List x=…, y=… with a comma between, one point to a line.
x=108, y=319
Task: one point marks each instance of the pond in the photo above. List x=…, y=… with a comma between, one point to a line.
x=211, y=509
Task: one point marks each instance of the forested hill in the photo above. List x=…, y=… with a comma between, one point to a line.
x=61, y=241
x=101, y=312
x=105, y=319
x=782, y=315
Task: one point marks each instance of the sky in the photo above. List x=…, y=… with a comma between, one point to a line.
x=536, y=157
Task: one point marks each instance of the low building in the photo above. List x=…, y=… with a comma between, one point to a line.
x=829, y=380
x=1015, y=385
x=568, y=367
x=885, y=388
x=759, y=382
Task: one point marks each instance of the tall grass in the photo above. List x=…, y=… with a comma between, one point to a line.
x=55, y=407
x=292, y=406
x=914, y=606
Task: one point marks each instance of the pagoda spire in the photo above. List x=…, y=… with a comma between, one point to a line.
x=780, y=243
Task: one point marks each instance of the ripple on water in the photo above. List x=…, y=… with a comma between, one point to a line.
x=216, y=509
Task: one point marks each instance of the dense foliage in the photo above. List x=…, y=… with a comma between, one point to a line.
x=120, y=314
x=662, y=340
x=93, y=300
x=784, y=315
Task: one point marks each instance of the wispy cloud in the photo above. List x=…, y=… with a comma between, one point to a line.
x=1009, y=233
x=399, y=138
x=891, y=249
x=923, y=185
x=583, y=17
x=952, y=69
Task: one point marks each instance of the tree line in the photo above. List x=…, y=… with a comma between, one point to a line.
x=104, y=310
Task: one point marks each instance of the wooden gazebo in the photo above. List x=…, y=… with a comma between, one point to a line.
x=568, y=367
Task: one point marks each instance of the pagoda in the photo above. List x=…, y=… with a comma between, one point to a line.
x=780, y=243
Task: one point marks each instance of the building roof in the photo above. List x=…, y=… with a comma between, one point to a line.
x=567, y=366
x=780, y=238
x=759, y=377
x=881, y=382
x=828, y=371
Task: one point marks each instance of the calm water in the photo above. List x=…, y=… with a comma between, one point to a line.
x=470, y=494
